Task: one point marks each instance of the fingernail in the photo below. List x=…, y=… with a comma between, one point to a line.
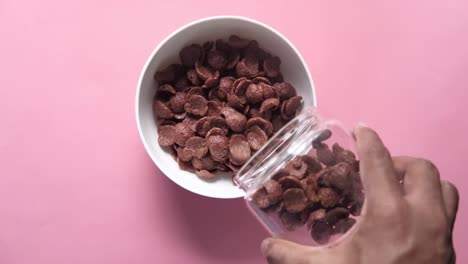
x=264, y=246
x=361, y=124
x=358, y=126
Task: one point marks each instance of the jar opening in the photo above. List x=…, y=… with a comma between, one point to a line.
x=293, y=139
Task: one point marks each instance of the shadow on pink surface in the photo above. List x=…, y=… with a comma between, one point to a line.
x=222, y=229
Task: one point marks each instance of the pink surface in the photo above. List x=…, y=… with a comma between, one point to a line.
x=76, y=185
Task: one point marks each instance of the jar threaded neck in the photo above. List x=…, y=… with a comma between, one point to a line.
x=293, y=139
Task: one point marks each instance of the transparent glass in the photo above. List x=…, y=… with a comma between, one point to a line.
x=284, y=214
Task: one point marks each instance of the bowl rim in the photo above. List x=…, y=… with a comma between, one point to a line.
x=171, y=35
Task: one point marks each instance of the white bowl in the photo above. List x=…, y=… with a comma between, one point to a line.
x=293, y=67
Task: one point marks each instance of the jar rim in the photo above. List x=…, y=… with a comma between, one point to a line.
x=295, y=138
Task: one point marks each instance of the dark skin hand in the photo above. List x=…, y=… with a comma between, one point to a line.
x=401, y=224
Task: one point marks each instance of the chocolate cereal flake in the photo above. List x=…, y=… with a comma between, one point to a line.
x=196, y=105
x=321, y=231
x=317, y=215
x=336, y=214
x=225, y=86
x=216, y=131
x=261, y=199
x=338, y=176
x=256, y=137
x=161, y=110
x=284, y=90
x=182, y=84
x=313, y=165
x=260, y=79
x=167, y=75
x=182, y=133
x=274, y=190
x=204, y=174
x=216, y=59
x=177, y=102
x=197, y=146
x=290, y=221
x=205, y=124
x=344, y=225
x=297, y=167
x=235, y=102
x=264, y=124
x=191, y=54
x=239, y=149
x=203, y=72
x=325, y=155
x=328, y=197
x=166, y=136
x=288, y=182
x=292, y=105
x=184, y=154
x=253, y=94
x=294, y=200
x=233, y=59
x=269, y=104
x=235, y=120
x=247, y=67
x=272, y=66
x=205, y=163
x=192, y=76
x=218, y=146
x=214, y=108
x=166, y=90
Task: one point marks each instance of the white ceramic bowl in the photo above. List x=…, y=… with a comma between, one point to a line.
x=293, y=67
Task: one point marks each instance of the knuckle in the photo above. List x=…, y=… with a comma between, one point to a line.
x=450, y=189
x=439, y=225
x=268, y=248
x=426, y=165
x=394, y=217
x=442, y=248
x=377, y=151
x=272, y=249
x=453, y=257
x=395, y=213
x=389, y=212
x=426, y=168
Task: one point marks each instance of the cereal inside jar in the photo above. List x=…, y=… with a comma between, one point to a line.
x=304, y=184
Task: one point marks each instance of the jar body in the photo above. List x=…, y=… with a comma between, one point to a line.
x=304, y=184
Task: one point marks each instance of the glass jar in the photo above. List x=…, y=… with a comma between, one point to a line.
x=304, y=184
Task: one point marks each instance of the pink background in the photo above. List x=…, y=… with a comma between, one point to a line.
x=76, y=185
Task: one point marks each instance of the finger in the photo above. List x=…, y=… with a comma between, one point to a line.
x=421, y=178
x=400, y=169
x=450, y=197
x=453, y=257
x=376, y=166
x=400, y=164
x=278, y=251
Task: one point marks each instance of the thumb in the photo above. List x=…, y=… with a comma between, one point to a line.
x=278, y=251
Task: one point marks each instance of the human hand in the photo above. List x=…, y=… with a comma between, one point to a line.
x=409, y=223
